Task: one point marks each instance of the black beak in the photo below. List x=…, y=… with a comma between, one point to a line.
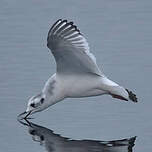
x=23, y=115
x=25, y=122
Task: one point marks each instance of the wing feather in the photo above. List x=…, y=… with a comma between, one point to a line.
x=70, y=49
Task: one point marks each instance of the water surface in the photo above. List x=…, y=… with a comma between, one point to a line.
x=53, y=142
x=119, y=34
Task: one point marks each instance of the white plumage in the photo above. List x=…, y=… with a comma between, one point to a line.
x=77, y=73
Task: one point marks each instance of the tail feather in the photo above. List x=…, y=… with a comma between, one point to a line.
x=132, y=96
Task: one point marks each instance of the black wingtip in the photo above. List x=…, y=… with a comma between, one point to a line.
x=132, y=96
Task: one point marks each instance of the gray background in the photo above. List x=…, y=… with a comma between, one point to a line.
x=119, y=33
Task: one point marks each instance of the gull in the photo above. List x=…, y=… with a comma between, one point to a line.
x=77, y=74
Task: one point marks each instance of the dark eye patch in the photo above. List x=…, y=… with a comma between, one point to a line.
x=42, y=100
x=32, y=132
x=32, y=105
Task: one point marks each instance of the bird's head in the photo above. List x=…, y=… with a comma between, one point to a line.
x=35, y=104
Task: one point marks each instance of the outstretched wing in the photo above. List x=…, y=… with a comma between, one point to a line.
x=70, y=49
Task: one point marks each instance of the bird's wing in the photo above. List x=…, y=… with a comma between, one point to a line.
x=70, y=49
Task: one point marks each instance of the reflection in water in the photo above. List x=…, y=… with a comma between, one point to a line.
x=56, y=143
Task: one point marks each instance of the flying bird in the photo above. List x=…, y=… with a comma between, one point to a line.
x=77, y=74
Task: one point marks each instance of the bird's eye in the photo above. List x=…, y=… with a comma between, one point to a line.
x=42, y=100
x=32, y=105
x=32, y=132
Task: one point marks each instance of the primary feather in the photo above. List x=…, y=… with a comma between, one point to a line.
x=71, y=50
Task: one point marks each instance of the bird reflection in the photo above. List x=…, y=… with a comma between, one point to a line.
x=56, y=143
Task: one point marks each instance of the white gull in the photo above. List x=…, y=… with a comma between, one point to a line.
x=77, y=74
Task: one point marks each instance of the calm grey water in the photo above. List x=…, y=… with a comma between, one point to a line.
x=120, y=35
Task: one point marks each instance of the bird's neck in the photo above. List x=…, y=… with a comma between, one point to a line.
x=53, y=91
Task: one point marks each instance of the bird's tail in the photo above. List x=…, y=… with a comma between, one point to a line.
x=132, y=96
x=117, y=91
x=123, y=94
